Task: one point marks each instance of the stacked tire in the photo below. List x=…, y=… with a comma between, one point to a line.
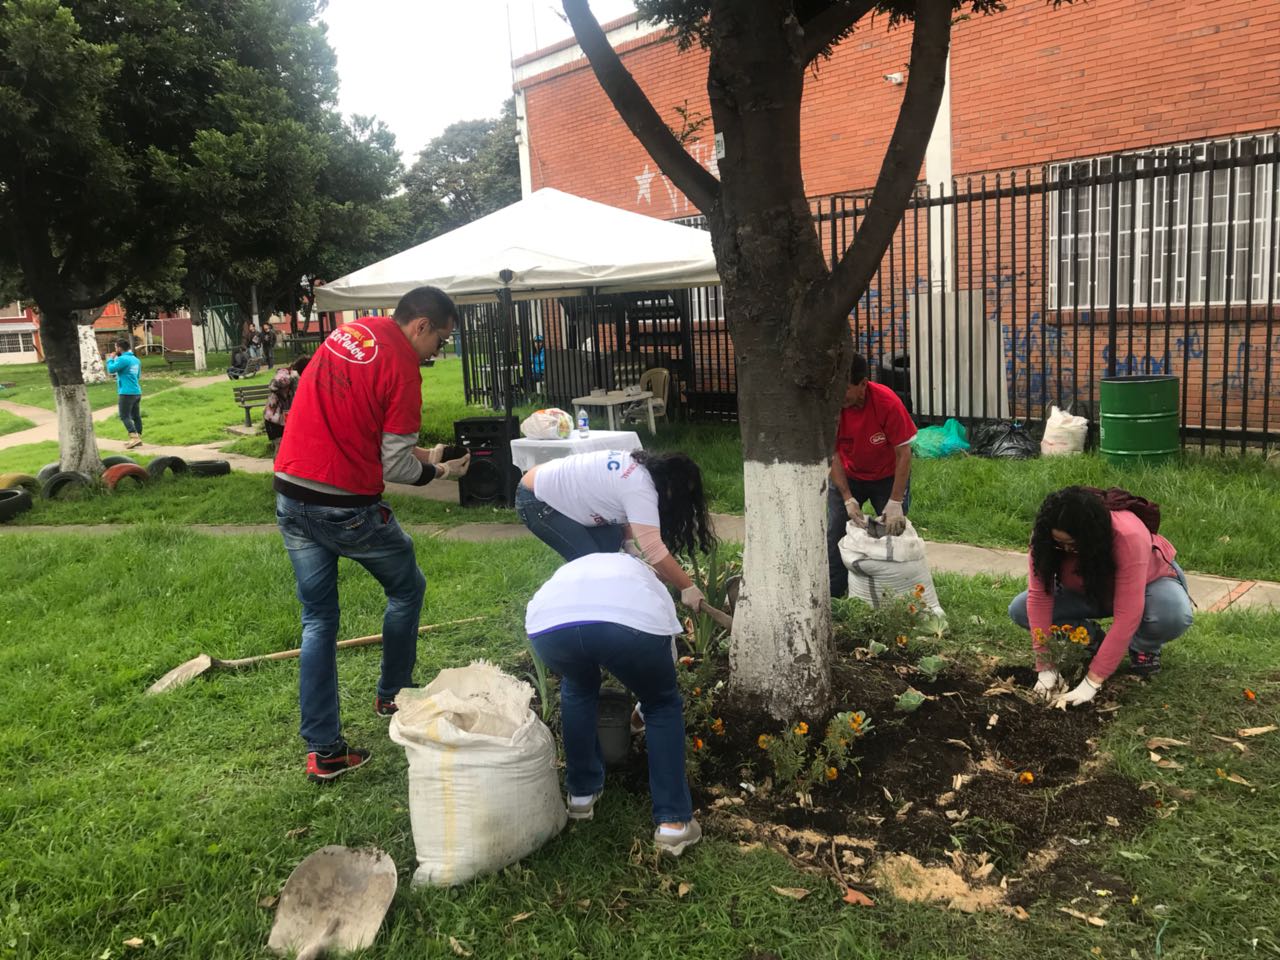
x=15, y=494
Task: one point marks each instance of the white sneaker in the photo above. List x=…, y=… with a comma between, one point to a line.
x=676, y=843
x=582, y=808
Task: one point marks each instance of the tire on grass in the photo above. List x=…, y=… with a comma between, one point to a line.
x=13, y=502
x=209, y=468
x=116, y=460
x=24, y=480
x=113, y=475
x=159, y=465
x=47, y=471
x=63, y=481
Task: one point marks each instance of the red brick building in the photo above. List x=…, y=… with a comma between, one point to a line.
x=1166, y=113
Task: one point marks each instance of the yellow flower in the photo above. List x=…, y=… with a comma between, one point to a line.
x=855, y=721
x=1037, y=635
x=832, y=773
x=901, y=640
x=718, y=727
x=763, y=741
x=1026, y=778
x=802, y=728
x=843, y=742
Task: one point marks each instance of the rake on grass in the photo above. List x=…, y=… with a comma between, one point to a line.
x=199, y=666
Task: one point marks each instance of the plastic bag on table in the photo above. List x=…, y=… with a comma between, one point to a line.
x=550, y=424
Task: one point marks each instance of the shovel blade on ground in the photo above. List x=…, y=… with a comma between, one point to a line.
x=336, y=895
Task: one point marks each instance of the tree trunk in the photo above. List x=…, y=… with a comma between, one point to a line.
x=195, y=307
x=92, y=369
x=62, y=333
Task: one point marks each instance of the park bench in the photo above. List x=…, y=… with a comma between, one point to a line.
x=179, y=357
x=250, y=397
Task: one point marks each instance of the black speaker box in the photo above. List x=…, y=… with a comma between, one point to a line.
x=492, y=478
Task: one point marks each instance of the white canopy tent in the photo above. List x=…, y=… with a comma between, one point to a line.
x=554, y=244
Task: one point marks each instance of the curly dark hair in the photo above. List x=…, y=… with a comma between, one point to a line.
x=682, y=505
x=1079, y=512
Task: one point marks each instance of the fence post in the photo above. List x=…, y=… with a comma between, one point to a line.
x=1113, y=263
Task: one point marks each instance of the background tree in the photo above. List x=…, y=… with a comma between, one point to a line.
x=787, y=311
x=469, y=171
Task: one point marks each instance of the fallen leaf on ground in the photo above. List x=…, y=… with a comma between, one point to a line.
x=1224, y=739
x=297, y=832
x=1020, y=913
x=1168, y=765
x=1257, y=731
x=134, y=942
x=683, y=890
x=795, y=893
x=961, y=744
x=1234, y=778
x=1112, y=822
x=1092, y=921
x=266, y=903
x=521, y=916
x=458, y=947
x=1159, y=743
x=993, y=720
x=858, y=898
x=903, y=810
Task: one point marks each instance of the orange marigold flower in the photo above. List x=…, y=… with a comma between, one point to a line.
x=763, y=741
x=1054, y=627
x=843, y=742
x=697, y=743
x=1037, y=635
x=1026, y=777
x=718, y=727
x=802, y=728
x=901, y=640
x=919, y=590
x=697, y=691
x=911, y=608
x=855, y=722
x=1249, y=694
x=686, y=662
x=832, y=773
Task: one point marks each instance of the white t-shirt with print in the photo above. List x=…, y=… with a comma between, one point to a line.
x=603, y=588
x=597, y=489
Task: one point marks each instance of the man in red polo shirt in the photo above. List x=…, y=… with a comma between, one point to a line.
x=353, y=427
x=872, y=461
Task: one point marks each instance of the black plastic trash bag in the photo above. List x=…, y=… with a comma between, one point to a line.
x=1008, y=440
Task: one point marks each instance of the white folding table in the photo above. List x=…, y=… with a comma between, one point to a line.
x=616, y=398
x=526, y=452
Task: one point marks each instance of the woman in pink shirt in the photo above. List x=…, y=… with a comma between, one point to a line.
x=1088, y=562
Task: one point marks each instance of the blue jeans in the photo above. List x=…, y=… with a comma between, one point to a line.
x=1166, y=615
x=316, y=536
x=130, y=414
x=565, y=536
x=878, y=492
x=642, y=661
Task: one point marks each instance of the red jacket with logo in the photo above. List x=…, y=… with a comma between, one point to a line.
x=364, y=380
x=868, y=435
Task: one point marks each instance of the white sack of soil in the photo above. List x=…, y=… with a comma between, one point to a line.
x=882, y=566
x=483, y=788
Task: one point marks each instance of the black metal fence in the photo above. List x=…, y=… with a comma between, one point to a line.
x=999, y=296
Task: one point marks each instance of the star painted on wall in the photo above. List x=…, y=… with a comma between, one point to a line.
x=644, y=182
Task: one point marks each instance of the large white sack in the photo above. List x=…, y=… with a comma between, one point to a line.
x=892, y=566
x=1064, y=434
x=483, y=787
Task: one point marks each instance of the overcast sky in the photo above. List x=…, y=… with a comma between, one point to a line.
x=421, y=65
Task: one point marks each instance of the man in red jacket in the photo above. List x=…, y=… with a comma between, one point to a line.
x=872, y=461
x=353, y=427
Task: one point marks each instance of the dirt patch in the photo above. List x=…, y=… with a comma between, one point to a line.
x=1002, y=795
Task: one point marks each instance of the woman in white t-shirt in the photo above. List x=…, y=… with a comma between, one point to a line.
x=609, y=611
x=597, y=502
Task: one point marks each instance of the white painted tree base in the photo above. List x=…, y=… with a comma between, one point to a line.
x=197, y=346
x=77, y=444
x=91, y=366
x=780, y=655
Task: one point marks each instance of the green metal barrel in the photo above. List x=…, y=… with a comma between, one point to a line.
x=1139, y=420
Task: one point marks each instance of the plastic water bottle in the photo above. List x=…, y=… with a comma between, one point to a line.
x=584, y=422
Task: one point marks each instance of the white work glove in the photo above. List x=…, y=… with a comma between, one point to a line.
x=692, y=597
x=435, y=454
x=453, y=469
x=854, y=509
x=1047, y=683
x=1082, y=694
x=895, y=522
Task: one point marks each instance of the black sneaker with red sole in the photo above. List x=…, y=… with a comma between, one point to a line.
x=386, y=709
x=1144, y=665
x=322, y=767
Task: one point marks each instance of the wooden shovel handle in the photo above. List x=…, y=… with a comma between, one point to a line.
x=342, y=644
x=719, y=616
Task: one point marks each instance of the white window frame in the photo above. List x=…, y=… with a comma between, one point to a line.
x=24, y=342
x=1079, y=220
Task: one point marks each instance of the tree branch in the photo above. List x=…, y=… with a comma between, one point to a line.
x=100, y=300
x=930, y=43
x=638, y=113
x=825, y=28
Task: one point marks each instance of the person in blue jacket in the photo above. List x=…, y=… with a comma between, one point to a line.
x=127, y=369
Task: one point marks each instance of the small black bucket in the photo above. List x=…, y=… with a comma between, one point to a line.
x=613, y=725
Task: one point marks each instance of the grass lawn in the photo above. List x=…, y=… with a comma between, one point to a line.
x=169, y=819
x=181, y=417
x=31, y=384
x=12, y=423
